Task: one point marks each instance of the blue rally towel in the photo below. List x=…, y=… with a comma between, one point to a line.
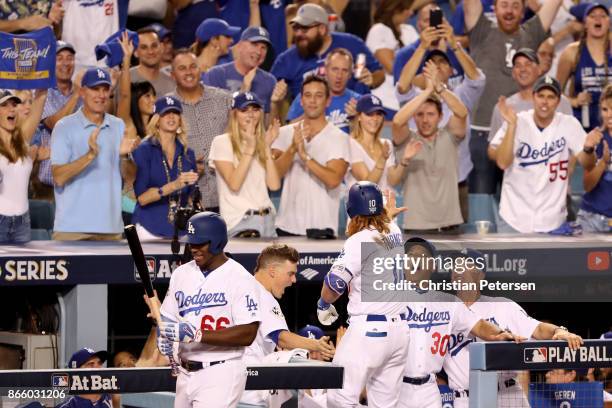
x=111, y=48
x=27, y=61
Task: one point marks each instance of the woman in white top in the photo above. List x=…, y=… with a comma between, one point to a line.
x=372, y=159
x=390, y=33
x=16, y=165
x=245, y=169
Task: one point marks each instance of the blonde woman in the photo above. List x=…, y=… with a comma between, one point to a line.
x=16, y=165
x=245, y=169
x=372, y=158
x=165, y=171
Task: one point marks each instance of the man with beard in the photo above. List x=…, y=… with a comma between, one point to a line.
x=312, y=156
x=244, y=74
x=149, y=53
x=338, y=71
x=62, y=100
x=534, y=148
x=492, y=47
x=430, y=177
x=313, y=41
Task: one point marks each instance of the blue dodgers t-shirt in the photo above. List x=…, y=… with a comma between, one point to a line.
x=227, y=77
x=403, y=56
x=292, y=68
x=236, y=13
x=334, y=113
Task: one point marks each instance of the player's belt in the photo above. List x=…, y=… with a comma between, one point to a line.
x=466, y=393
x=417, y=380
x=384, y=318
x=462, y=393
x=261, y=212
x=192, y=366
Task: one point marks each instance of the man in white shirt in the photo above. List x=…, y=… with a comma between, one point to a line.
x=312, y=155
x=534, y=148
x=275, y=271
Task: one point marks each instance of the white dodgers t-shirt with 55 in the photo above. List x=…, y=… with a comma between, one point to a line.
x=535, y=185
x=253, y=194
x=305, y=201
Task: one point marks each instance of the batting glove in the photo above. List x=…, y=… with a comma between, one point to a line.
x=164, y=345
x=183, y=332
x=326, y=313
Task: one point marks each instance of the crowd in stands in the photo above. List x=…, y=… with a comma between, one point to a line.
x=506, y=100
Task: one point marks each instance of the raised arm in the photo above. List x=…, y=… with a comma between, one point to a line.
x=457, y=123
x=547, y=12
x=404, y=83
x=504, y=154
x=587, y=160
x=472, y=11
x=401, y=118
x=30, y=124
x=467, y=63
x=591, y=177
x=125, y=92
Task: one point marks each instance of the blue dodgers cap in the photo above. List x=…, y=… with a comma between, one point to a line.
x=256, y=34
x=606, y=335
x=212, y=27
x=162, y=32
x=242, y=100
x=592, y=6
x=96, y=76
x=80, y=357
x=369, y=104
x=166, y=104
x=312, y=332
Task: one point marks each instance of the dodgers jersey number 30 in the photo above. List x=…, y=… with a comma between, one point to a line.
x=225, y=297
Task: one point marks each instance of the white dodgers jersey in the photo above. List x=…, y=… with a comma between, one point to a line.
x=86, y=24
x=506, y=314
x=348, y=266
x=535, y=185
x=225, y=297
x=436, y=321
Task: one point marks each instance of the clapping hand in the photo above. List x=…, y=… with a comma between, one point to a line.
x=272, y=132
x=506, y=111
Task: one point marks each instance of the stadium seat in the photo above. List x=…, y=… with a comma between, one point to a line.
x=386, y=132
x=39, y=234
x=342, y=217
x=42, y=214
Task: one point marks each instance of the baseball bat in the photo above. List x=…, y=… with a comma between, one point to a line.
x=143, y=271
